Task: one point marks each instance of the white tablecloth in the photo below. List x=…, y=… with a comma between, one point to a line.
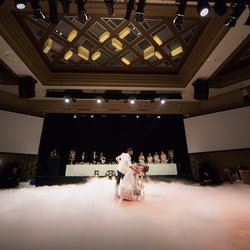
x=89, y=169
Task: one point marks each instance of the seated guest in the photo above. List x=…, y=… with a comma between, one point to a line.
x=156, y=158
x=149, y=158
x=141, y=158
x=102, y=158
x=13, y=177
x=94, y=157
x=163, y=157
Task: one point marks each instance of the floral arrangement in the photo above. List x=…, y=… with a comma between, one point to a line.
x=171, y=155
x=72, y=156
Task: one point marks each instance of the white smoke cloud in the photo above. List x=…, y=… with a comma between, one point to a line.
x=88, y=216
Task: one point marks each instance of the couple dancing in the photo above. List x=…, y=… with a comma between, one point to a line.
x=130, y=177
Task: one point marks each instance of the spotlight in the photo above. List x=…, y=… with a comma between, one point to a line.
x=65, y=6
x=163, y=100
x=203, y=7
x=67, y=99
x=137, y=116
x=82, y=16
x=74, y=116
x=38, y=13
x=132, y=101
x=158, y=116
x=220, y=7
x=53, y=11
x=238, y=10
x=92, y=116
x=180, y=12
x=140, y=11
x=110, y=6
x=99, y=100
x=20, y=4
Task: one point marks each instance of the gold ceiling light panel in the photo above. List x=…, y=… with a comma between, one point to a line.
x=68, y=55
x=72, y=35
x=125, y=60
x=158, y=55
x=157, y=40
x=83, y=53
x=96, y=55
x=104, y=37
x=124, y=32
x=47, y=46
x=176, y=51
x=149, y=52
x=116, y=43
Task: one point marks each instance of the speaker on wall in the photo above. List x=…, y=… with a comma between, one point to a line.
x=201, y=89
x=27, y=87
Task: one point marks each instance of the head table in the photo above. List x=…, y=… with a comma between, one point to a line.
x=106, y=169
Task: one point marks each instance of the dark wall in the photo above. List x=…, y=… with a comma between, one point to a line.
x=113, y=134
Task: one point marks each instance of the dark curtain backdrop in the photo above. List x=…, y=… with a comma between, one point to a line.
x=112, y=135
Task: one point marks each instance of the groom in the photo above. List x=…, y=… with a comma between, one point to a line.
x=124, y=161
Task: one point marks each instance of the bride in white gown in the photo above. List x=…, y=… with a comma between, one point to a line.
x=131, y=186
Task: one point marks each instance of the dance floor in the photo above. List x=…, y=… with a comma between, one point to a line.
x=173, y=216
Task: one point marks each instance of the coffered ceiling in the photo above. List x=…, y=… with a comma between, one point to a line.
x=43, y=47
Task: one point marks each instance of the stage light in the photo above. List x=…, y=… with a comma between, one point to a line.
x=74, y=116
x=110, y=6
x=238, y=10
x=220, y=7
x=163, y=100
x=65, y=6
x=67, y=99
x=203, y=7
x=137, y=116
x=158, y=116
x=38, y=13
x=140, y=11
x=82, y=16
x=178, y=19
x=20, y=4
x=132, y=101
x=99, y=100
x=92, y=116
x=53, y=11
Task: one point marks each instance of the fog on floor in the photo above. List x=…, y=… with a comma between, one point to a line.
x=173, y=216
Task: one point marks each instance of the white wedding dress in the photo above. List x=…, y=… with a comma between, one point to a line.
x=131, y=186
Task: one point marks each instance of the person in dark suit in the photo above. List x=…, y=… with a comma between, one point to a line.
x=83, y=158
x=94, y=158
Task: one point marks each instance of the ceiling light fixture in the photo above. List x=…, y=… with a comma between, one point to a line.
x=149, y=52
x=125, y=60
x=238, y=10
x=20, y=4
x=163, y=100
x=68, y=55
x=176, y=50
x=117, y=44
x=110, y=6
x=83, y=53
x=104, y=36
x=72, y=35
x=178, y=19
x=47, y=45
x=220, y=7
x=203, y=7
x=158, y=55
x=82, y=16
x=99, y=100
x=124, y=32
x=157, y=40
x=96, y=55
